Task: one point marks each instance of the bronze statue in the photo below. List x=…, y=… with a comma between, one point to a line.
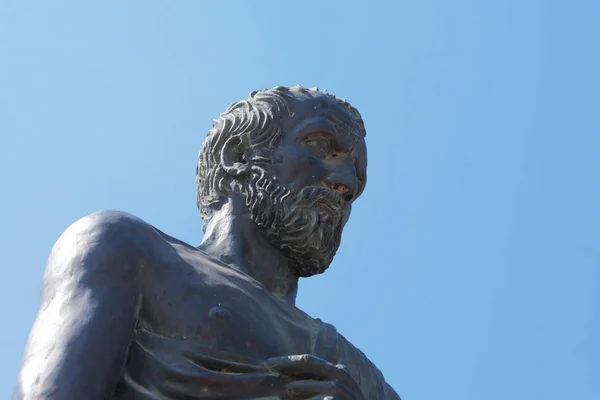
x=128, y=312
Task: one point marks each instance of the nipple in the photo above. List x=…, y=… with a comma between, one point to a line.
x=218, y=313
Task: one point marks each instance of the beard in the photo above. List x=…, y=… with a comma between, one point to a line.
x=306, y=224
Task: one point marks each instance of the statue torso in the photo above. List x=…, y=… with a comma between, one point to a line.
x=205, y=329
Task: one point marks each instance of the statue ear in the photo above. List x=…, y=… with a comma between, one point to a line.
x=233, y=157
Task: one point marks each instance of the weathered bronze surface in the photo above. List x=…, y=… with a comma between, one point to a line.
x=128, y=312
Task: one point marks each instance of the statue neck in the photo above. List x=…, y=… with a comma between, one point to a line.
x=235, y=239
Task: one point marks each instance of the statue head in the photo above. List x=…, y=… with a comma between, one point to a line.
x=298, y=158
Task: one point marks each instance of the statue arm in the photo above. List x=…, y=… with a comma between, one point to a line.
x=88, y=311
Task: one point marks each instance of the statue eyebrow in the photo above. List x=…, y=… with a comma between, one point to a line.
x=330, y=136
x=320, y=131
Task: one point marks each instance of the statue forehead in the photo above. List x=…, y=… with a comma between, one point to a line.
x=322, y=105
x=327, y=111
x=308, y=103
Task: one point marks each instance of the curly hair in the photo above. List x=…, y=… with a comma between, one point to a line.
x=256, y=123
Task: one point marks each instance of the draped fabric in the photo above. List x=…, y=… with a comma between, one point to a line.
x=161, y=368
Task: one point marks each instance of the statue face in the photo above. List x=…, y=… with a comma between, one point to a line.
x=317, y=171
x=321, y=147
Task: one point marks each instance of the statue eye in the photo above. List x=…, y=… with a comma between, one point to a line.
x=319, y=146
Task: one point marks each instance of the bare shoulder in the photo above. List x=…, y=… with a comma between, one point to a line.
x=101, y=243
x=117, y=242
x=104, y=224
x=91, y=292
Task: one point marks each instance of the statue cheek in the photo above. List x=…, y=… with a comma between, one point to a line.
x=347, y=214
x=300, y=171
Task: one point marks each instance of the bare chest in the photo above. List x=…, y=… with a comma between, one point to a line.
x=215, y=307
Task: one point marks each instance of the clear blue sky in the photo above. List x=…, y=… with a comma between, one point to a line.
x=471, y=266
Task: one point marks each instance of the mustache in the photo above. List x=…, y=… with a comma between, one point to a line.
x=330, y=205
x=322, y=198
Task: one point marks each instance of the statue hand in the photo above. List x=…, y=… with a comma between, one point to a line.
x=314, y=378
